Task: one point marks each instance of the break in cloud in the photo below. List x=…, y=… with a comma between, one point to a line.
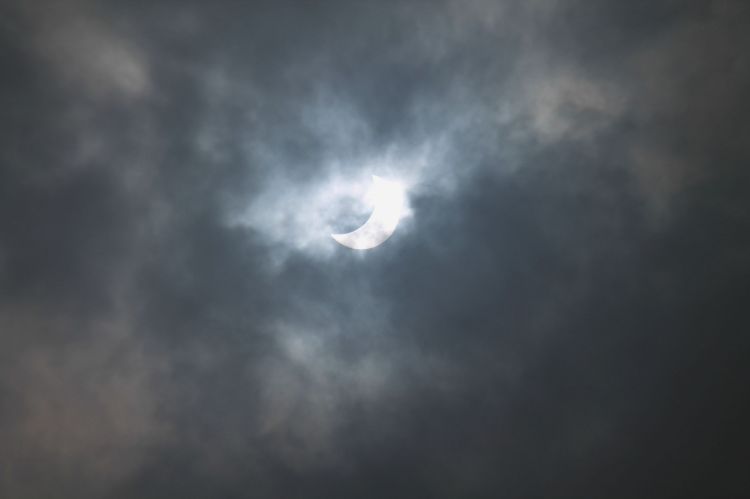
x=561, y=314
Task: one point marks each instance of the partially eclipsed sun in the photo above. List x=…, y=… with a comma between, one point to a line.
x=390, y=203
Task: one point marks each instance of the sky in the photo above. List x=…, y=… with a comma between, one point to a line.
x=561, y=313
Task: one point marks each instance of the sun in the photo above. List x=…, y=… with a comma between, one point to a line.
x=389, y=200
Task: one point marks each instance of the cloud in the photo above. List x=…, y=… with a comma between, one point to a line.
x=86, y=411
x=86, y=52
x=176, y=320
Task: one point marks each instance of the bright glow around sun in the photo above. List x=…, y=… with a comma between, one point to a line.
x=389, y=196
x=302, y=214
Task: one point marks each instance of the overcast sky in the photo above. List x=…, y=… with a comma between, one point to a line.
x=562, y=312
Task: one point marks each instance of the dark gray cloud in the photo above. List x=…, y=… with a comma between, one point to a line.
x=561, y=314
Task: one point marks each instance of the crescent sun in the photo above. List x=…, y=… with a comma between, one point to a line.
x=389, y=207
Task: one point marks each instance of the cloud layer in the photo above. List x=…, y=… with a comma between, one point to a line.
x=561, y=315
